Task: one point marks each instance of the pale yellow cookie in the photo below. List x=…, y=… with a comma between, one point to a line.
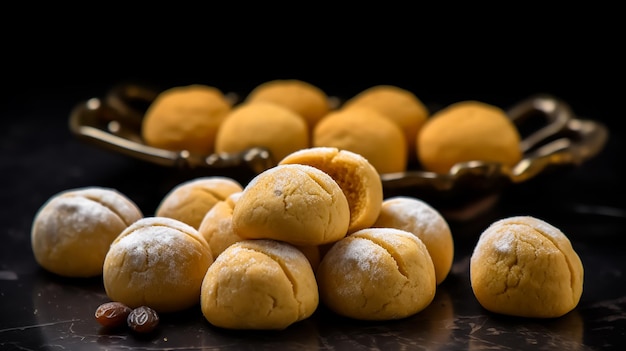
x=259, y=284
x=158, y=262
x=468, y=131
x=524, y=266
x=377, y=274
x=217, y=229
x=400, y=105
x=190, y=201
x=185, y=118
x=312, y=253
x=71, y=233
x=295, y=203
x=217, y=225
x=262, y=124
x=418, y=217
x=358, y=179
x=366, y=132
x=302, y=97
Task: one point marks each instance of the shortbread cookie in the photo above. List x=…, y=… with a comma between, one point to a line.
x=524, y=266
x=217, y=229
x=302, y=97
x=295, y=203
x=185, y=118
x=400, y=105
x=71, y=233
x=190, y=201
x=158, y=262
x=358, y=179
x=418, y=217
x=217, y=225
x=366, y=132
x=263, y=124
x=259, y=284
x=377, y=274
x=468, y=131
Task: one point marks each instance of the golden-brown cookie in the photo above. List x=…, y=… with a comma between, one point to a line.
x=217, y=225
x=400, y=105
x=358, y=179
x=185, y=118
x=312, y=253
x=159, y=262
x=71, y=233
x=190, y=201
x=468, y=131
x=377, y=274
x=416, y=216
x=366, y=132
x=301, y=97
x=262, y=124
x=296, y=203
x=259, y=284
x=217, y=229
x=524, y=266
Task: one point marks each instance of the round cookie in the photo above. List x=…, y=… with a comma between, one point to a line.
x=312, y=253
x=159, y=262
x=301, y=97
x=400, y=105
x=357, y=178
x=190, y=201
x=468, y=131
x=377, y=274
x=185, y=118
x=295, y=203
x=259, y=284
x=71, y=233
x=417, y=217
x=217, y=225
x=217, y=230
x=366, y=132
x=262, y=124
x=524, y=266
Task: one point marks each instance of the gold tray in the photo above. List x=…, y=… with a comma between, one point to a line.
x=552, y=137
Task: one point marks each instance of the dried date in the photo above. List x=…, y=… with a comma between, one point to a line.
x=143, y=319
x=112, y=314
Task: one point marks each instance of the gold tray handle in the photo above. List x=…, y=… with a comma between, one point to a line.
x=100, y=123
x=564, y=140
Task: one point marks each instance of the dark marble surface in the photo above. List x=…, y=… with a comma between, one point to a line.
x=40, y=311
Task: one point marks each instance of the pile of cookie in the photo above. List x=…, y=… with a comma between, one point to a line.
x=313, y=229
x=388, y=125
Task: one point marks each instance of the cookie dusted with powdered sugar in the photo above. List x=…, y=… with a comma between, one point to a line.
x=523, y=266
x=72, y=231
x=157, y=262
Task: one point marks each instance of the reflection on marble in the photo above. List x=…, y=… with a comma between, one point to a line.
x=48, y=312
x=487, y=332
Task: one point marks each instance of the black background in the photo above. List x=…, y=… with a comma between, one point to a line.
x=443, y=54
x=55, y=57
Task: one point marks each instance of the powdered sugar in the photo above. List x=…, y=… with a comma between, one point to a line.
x=153, y=249
x=504, y=242
x=230, y=260
x=111, y=199
x=539, y=226
x=148, y=243
x=414, y=215
x=392, y=236
x=162, y=221
x=72, y=215
x=362, y=253
x=276, y=249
